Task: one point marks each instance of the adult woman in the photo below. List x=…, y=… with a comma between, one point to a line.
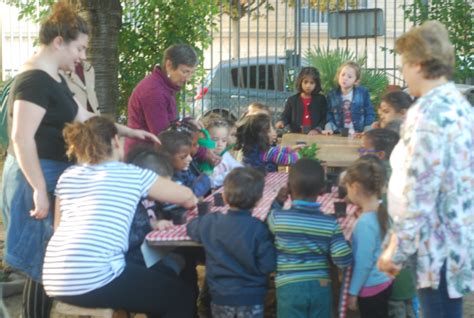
x=85, y=259
x=39, y=106
x=430, y=191
x=152, y=105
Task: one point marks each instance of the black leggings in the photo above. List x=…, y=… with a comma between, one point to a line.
x=375, y=306
x=141, y=290
x=36, y=304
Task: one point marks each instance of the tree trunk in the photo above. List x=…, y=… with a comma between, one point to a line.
x=105, y=19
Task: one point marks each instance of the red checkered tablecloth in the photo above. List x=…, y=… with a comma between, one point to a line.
x=273, y=183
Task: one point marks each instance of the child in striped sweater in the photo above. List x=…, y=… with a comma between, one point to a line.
x=254, y=138
x=305, y=239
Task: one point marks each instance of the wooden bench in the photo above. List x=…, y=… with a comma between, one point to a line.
x=63, y=310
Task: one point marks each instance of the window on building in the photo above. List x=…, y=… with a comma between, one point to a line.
x=310, y=15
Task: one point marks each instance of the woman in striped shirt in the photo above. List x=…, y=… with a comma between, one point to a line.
x=96, y=199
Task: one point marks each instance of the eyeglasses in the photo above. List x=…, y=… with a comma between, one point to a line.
x=365, y=151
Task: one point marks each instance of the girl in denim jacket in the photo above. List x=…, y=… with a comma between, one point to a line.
x=349, y=106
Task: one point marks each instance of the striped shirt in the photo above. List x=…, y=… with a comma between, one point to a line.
x=87, y=250
x=305, y=238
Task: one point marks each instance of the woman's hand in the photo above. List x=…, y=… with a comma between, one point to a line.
x=162, y=225
x=327, y=132
x=352, y=302
x=385, y=263
x=40, y=204
x=280, y=125
x=144, y=135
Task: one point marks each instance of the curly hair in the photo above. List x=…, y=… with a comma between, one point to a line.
x=90, y=142
x=311, y=72
x=369, y=172
x=64, y=22
x=253, y=131
x=173, y=140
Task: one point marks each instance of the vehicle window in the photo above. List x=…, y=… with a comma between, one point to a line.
x=266, y=77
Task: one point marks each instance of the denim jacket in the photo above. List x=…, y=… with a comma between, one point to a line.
x=192, y=178
x=363, y=113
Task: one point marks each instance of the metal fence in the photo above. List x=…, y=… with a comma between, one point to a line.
x=255, y=58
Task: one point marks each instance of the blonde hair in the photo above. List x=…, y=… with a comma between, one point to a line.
x=429, y=45
x=356, y=67
x=90, y=142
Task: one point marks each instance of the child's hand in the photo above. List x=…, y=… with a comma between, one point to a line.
x=352, y=302
x=280, y=125
x=161, y=225
x=376, y=125
x=212, y=158
x=313, y=132
x=282, y=195
x=327, y=132
x=297, y=147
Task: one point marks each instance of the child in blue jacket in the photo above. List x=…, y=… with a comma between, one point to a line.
x=178, y=144
x=349, y=104
x=239, y=249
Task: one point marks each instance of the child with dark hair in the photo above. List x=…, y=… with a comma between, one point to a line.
x=144, y=219
x=306, y=111
x=379, y=142
x=370, y=288
x=239, y=250
x=392, y=110
x=305, y=239
x=254, y=138
x=178, y=144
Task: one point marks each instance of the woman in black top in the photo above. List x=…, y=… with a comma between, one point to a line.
x=40, y=106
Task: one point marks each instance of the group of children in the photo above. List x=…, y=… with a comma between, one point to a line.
x=347, y=106
x=301, y=242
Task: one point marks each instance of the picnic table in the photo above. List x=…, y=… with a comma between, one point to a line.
x=177, y=236
x=335, y=150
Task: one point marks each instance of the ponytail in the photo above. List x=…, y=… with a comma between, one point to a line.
x=383, y=219
x=90, y=142
x=370, y=173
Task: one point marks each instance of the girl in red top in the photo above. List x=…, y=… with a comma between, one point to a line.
x=305, y=112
